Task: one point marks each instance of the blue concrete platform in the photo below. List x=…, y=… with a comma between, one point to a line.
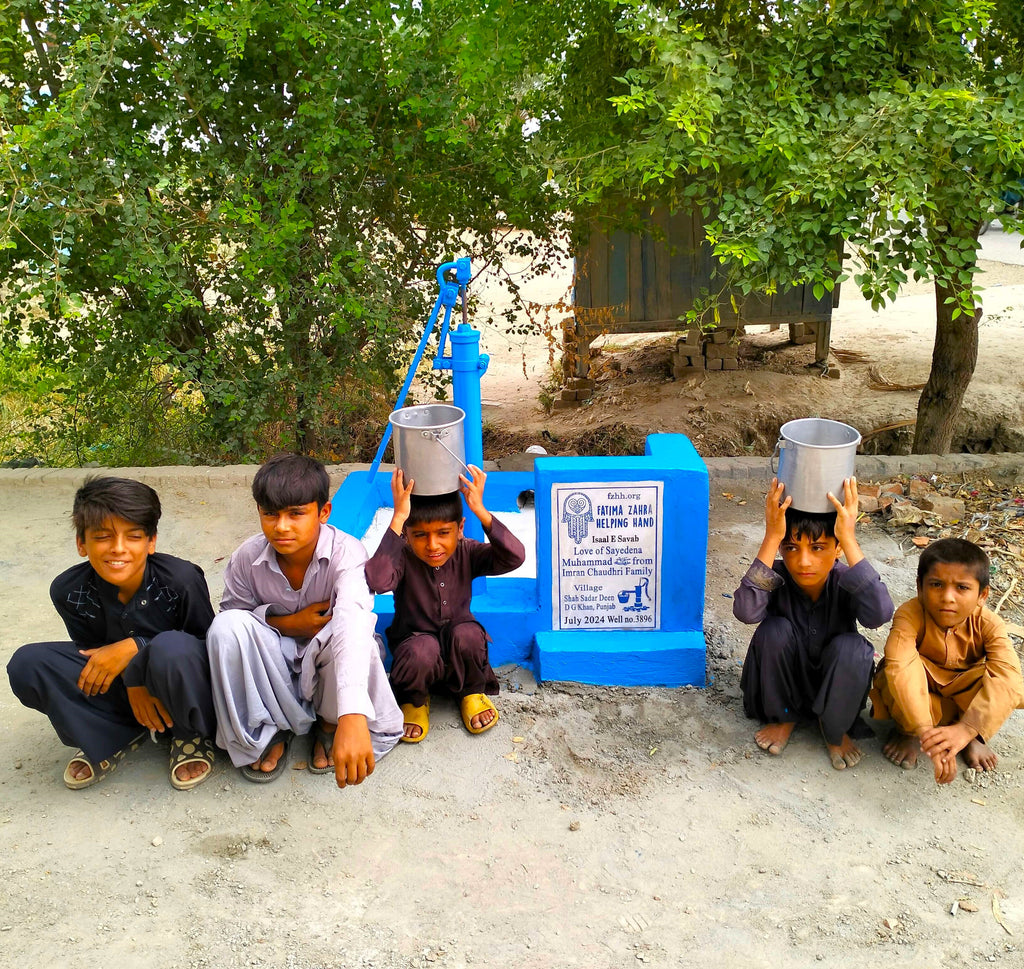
x=673, y=653
x=522, y=615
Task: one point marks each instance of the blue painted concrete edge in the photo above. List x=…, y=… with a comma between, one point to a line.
x=512, y=610
x=619, y=658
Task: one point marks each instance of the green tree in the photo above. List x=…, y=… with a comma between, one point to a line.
x=888, y=127
x=252, y=193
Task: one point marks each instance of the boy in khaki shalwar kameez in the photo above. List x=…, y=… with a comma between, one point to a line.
x=950, y=676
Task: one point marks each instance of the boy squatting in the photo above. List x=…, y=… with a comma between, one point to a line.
x=435, y=641
x=950, y=676
x=137, y=660
x=293, y=650
x=806, y=659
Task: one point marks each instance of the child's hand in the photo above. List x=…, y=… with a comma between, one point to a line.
x=148, y=709
x=401, y=500
x=352, y=750
x=473, y=491
x=846, y=521
x=775, y=512
x=305, y=623
x=106, y=663
x=312, y=619
x=942, y=744
x=775, y=527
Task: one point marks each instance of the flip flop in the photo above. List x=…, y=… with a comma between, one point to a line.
x=198, y=750
x=420, y=716
x=257, y=776
x=326, y=740
x=473, y=704
x=103, y=768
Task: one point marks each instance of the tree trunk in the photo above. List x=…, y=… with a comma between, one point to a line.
x=953, y=359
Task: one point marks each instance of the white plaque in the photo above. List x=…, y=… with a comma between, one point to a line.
x=606, y=551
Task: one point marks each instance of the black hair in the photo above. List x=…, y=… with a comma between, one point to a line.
x=434, y=508
x=100, y=499
x=291, y=479
x=954, y=551
x=815, y=525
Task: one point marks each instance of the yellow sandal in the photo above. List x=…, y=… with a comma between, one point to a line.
x=473, y=704
x=418, y=717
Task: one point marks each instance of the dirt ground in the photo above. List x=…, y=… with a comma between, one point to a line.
x=592, y=827
x=740, y=411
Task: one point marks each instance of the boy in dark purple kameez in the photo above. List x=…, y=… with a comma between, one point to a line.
x=806, y=659
x=434, y=640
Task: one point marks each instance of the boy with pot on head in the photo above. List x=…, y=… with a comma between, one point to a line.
x=434, y=640
x=950, y=676
x=806, y=659
x=137, y=661
x=293, y=649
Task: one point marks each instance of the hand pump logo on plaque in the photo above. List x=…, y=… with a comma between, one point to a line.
x=606, y=547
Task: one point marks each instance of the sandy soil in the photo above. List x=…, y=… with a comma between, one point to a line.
x=592, y=827
x=737, y=412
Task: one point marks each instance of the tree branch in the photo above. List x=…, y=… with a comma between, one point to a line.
x=158, y=47
x=53, y=82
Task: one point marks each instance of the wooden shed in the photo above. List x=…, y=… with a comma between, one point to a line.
x=629, y=282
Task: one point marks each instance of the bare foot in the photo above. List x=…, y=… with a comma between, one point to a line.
x=902, y=749
x=979, y=755
x=185, y=772
x=773, y=737
x=268, y=760
x=844, y=754
x=80, y=770
x=321, y=756
x=412, y=730
x=482, y=719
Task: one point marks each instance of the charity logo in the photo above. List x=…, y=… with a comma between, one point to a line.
x=577, y=513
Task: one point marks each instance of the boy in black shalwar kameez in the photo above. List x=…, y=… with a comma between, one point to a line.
x=434, y=640
x=137, y=621
x=806, y=659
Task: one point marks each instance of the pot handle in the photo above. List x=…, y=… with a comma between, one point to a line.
x=779, y=445
x=436, y=435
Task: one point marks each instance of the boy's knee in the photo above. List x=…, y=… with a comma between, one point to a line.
x=774, y=637
x=21, y=666
x=171, y=649
x=422, y=649
x=854, y=652
x=470, y=640
x=26, y=665
x=227, y=631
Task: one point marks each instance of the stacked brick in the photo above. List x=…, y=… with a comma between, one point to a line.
x=801, y=333
x=721, y=350
x=576, y=391
x=688, y=356
x=697, y=351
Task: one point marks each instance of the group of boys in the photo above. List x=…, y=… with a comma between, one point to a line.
x=293, y=649
x=950, y=676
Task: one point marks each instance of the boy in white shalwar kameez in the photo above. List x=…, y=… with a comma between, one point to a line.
x=293, y=649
